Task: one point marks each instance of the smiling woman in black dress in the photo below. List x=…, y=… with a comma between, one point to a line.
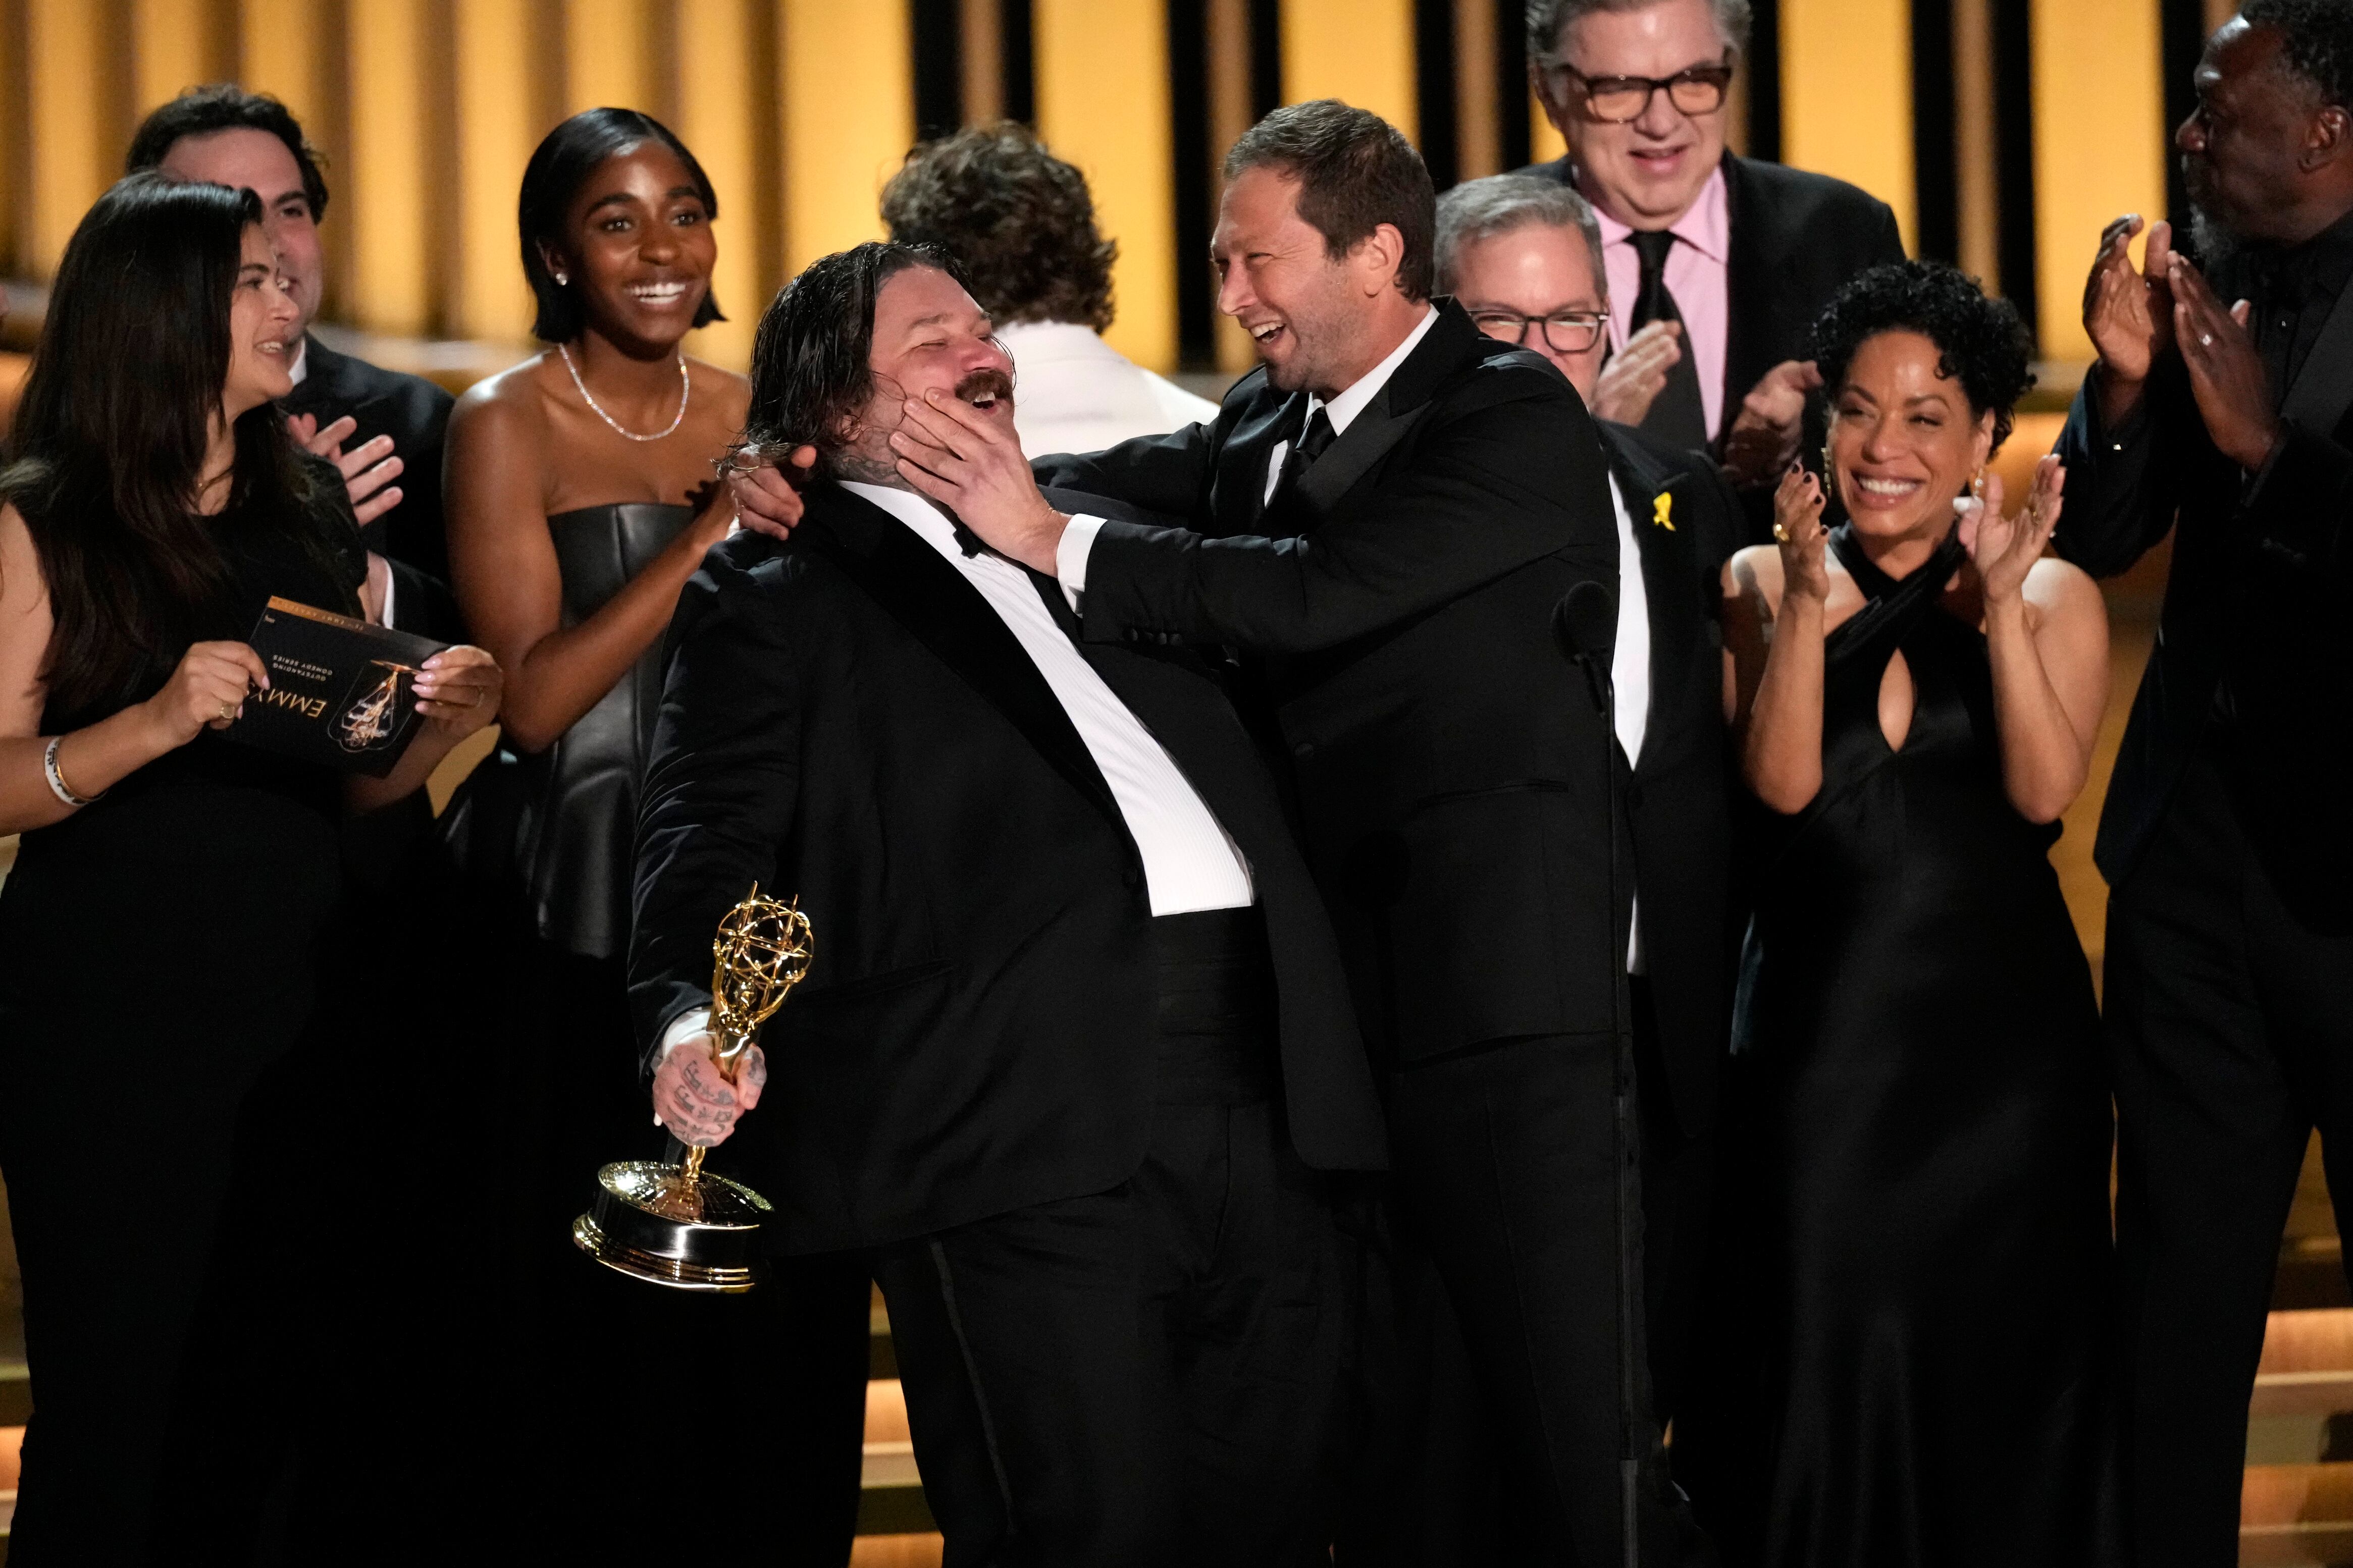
x=157, y=933
x=1924, y=1175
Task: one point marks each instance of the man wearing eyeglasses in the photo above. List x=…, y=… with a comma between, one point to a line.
x=1719, y=263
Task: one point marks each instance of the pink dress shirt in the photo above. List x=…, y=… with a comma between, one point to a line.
x=1697, y=276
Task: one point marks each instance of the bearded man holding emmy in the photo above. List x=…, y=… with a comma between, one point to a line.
x=1074, y=1060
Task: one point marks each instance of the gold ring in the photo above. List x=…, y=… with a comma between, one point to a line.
x=1781, y=533
x=229, y=710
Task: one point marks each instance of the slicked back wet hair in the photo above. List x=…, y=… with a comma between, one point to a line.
x=1018, y=218
x=812, y=370
x=1355, y=173
x=109, y=443
x=559, y=166
x=1981, y=342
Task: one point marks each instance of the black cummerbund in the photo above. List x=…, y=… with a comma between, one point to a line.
x=1217, y=1035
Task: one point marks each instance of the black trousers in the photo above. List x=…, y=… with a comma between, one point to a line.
x=2230, y=1033
x=1678, y=1218
x=1507, y=1234
x=1152, y=1374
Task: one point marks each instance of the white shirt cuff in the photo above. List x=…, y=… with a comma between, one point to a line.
x=685, y=1027
x=1078, y=542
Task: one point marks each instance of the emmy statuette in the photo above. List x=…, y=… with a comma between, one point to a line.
x=678, y=1225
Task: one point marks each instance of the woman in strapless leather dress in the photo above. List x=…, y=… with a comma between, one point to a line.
x=581, y=497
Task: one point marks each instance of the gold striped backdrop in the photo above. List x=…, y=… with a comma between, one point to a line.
x=800, y=108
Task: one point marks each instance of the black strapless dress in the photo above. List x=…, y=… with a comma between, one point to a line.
x=1920, y=1173
x=158, y=959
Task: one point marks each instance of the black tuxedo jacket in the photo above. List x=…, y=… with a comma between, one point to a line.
x=411, y=410
x=1796, y=238
x=846, y=720
x=1677, y=809
x=2251, y=658
x=1453, y=770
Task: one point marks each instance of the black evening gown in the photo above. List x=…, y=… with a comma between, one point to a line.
x=1921, y=1186
x=158, y=954
x=629, y=1390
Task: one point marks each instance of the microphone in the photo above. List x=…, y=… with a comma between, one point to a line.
x=1585, y=625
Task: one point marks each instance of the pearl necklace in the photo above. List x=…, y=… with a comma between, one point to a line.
x=684, y=387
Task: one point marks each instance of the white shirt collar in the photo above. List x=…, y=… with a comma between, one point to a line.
x=917, y=512
x=1344, y=409
x=301, y=365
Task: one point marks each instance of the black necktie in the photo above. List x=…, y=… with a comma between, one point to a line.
x=1676, y=415
x=1313, y=443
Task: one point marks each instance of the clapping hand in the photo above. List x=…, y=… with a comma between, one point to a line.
x=2005, y=549
x=1637, y=374
x=368, y=470
x=2226, y=373
x=1763, y=433
x=1797, y=530
x=2128, y=311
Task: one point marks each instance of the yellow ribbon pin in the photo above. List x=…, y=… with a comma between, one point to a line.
x=1662, y=513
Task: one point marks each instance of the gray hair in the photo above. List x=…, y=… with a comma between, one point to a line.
x=1481, y=209
x=1548, y=19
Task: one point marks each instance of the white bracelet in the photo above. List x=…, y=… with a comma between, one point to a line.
x=57, y=786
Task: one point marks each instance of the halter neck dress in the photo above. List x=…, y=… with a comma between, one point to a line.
x=1923, y=1234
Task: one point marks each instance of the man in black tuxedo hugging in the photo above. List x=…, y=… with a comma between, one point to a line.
x=1388, y=515
x=1075, y=1060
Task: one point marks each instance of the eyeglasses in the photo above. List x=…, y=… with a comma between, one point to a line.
x=1567, y=331
x=1615, y=99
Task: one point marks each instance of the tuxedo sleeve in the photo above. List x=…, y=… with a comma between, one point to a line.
x=2123, y=482
x=1486, y=491
x=1167, y=474
x=2300, y=504
x=720, y=784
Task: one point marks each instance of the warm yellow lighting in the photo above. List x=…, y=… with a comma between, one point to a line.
x=715, y=119
x=607, y=62
x=73, y=157
x=2099, y=145
x=495, y=50
x=1102, y=104
x=1359, y=51
x=173, y=47
x=1846, y=96
x=385, y=188
x=849, y=119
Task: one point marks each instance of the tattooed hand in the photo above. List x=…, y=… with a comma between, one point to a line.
x=694, y=1100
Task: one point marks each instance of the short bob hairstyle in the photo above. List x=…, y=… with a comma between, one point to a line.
x=1980, y=341
x=812, y=357
x=559, y=166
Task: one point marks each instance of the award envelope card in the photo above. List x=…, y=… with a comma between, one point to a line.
x=341, y=692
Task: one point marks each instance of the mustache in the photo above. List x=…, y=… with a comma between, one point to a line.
x=985, y=383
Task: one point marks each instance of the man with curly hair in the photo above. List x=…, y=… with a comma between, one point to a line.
x=1021, y=221
x=2219, y=413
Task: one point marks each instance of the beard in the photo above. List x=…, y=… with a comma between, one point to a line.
x=2213, y=239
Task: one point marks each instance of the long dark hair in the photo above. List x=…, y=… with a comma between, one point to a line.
x=811, y=357
x=109, y=443
x=559, y=166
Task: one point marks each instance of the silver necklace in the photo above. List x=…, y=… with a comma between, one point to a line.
x=684, y=387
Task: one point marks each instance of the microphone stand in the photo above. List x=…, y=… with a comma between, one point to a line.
x=1629, y=1461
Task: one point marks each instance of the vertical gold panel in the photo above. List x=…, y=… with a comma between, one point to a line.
x=1228, y=49
x=1974, y=143
x=386, y=186
x=1545, y=142
x=279, y=49
x=1102, y=104
x=173, y=47
x=982, y=25
x=849, y=93
x=2219, y=12
x=1477, y=138
x=607, y=54
x=2099, y=145
x=494, y=56
x=1360, y=51
x=72, y=163
x=1846, y=96
x=716, y=120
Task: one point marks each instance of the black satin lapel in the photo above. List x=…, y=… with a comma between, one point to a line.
x=947, y=614
x=1369, y=439
x=1240, y=497
x=1751, y=274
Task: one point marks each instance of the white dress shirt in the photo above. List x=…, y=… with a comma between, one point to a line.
x=1189, y=862
x=1630, y=676
x=1075, y=392
x=1078, y=540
